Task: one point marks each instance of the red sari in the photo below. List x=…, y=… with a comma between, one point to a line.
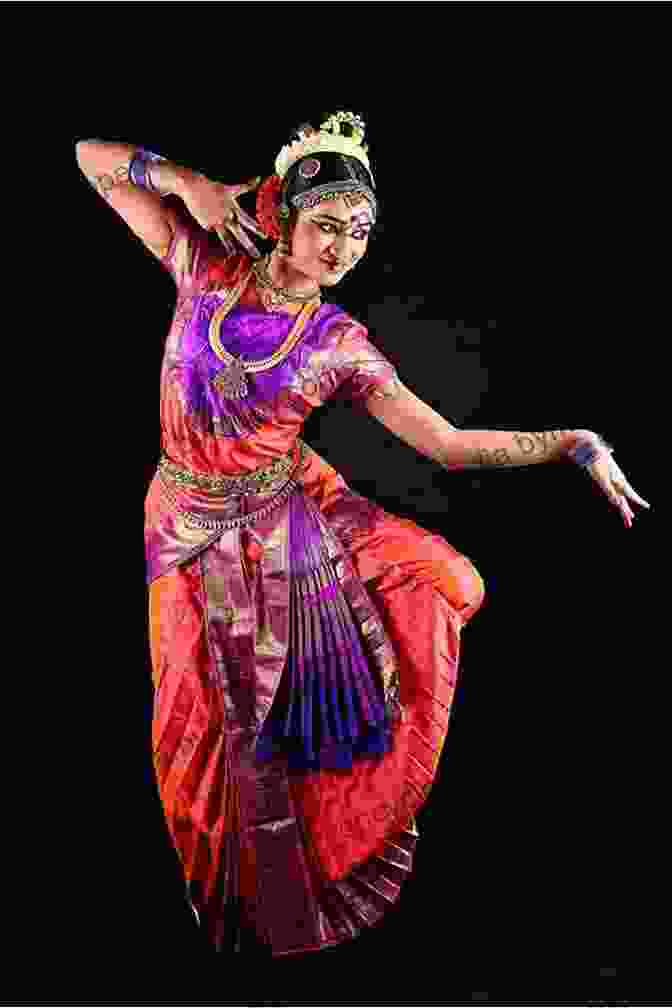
x=264, y=600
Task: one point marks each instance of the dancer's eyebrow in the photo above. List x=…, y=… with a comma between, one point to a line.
x=339, y=220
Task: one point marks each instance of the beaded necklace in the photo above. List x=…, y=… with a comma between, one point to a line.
x=272, y=296
x=231, y=381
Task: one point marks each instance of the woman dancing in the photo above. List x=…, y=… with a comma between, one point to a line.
x=304, y=642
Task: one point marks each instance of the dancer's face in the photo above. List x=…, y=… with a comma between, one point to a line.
x=332, y=231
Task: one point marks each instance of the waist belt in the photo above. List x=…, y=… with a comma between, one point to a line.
x=228, y=502
x=262, y=481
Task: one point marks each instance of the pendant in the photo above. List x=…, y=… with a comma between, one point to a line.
x=231, y=382
x=271, y=300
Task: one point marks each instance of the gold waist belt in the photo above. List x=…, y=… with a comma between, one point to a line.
x=261, y=481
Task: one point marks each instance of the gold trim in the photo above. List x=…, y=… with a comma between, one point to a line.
x=253, y=482
x=278, y=496
x=279, y=355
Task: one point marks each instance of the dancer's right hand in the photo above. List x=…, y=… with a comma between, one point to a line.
x=213, y=205
x=610, y=478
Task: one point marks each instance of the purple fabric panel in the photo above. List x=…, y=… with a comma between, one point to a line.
x=254, y=335
x=350, y=371
x=330, y=705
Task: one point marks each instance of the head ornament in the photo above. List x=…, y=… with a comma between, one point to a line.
x=321, y=164
x=330, y=138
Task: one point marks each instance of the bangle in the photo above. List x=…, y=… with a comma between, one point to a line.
x=137, y=170
x=585, y=451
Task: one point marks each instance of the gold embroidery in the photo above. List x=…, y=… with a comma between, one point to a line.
x=187, y=533
x=218, y=596
x=181, y=259
x=277, y=540
x=159, y=249
x=267, y=644
x=390, y=390
x=254, y=367
x=388, y=671
x=260, y=481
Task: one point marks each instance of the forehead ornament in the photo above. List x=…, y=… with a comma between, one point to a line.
x=310, y=168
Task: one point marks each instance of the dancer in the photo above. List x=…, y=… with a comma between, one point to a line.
x=305, y=642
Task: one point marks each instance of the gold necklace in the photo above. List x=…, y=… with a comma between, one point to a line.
x=230, y=382
x=272, y=296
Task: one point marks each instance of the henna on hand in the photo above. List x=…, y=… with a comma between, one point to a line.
x=103, y=184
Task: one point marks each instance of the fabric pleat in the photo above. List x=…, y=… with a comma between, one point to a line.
x=329, y=708
x=303, y=860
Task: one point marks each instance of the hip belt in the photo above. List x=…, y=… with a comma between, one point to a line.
x=226, y=495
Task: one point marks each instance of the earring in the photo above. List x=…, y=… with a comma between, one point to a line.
x=283, y=241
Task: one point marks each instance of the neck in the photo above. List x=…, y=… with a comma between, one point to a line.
x=284, y=274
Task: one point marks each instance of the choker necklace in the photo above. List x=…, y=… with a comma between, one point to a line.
x=272, y=296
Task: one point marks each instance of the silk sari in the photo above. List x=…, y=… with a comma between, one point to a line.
x=304, y=642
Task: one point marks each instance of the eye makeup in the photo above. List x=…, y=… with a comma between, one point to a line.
x=360, y=223
x=357, y=220
x=358, y=235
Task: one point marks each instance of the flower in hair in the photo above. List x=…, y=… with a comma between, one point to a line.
x=268, y=204
x=354, y=126
x=341, y=133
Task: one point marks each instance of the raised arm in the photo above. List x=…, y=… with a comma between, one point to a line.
x=105, y=165
x=429, y=433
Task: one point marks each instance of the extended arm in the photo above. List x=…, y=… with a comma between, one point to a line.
x=429, y=433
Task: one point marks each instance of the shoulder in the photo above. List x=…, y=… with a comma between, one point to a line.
x=224, y=270
x=343, y=327
x=196, y=257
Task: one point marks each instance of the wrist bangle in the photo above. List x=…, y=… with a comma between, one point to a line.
x=585, y=451
x=137, y=170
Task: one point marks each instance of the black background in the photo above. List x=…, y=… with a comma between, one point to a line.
x=518, y=155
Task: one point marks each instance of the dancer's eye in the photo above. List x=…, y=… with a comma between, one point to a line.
x=358, y=235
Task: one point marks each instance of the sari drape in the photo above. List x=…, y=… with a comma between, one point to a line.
x=304, y=642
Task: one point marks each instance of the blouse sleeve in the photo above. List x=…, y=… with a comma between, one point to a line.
x=355, y=367
x=190, y=251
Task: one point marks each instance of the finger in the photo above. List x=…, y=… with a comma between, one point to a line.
x=603, y=480
x=635, y=496
x=252, y=226
x=246, y=186
x=226, y=240
x=620, y=482
x=250, y=223
x=626, y=510
x=619, y=502
x=625, y=487
x=611, y=481
x=244, y=240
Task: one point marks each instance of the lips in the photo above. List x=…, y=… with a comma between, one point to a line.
x=331, y=265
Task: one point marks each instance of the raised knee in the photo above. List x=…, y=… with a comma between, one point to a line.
x=457, y=577
x=476, y=594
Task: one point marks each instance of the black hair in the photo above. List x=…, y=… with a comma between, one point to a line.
x=334, y=167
